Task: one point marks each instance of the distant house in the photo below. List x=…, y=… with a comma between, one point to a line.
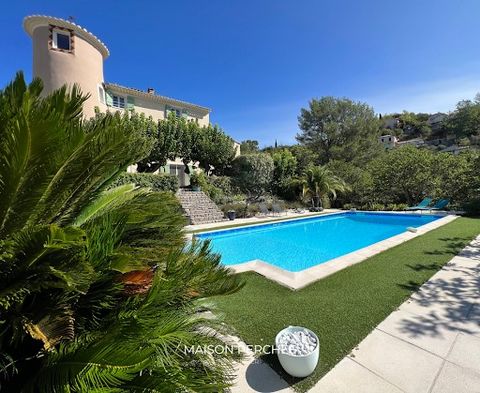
x=66, y=53
x=436, y=120
x=388, y=141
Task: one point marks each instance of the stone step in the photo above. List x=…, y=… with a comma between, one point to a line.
x=198, y=207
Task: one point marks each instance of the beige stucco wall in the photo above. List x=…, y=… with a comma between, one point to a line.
x=236, y=146
x=84, y=66
x=156, y=109
x=152, y=108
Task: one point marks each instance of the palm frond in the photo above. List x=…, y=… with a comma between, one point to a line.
x=320, y=181
x=30, y=249
x=37, y=134
x=106, y=201
x=105, y=152
x=67, y=251
x=53, y=328
x=197, y=273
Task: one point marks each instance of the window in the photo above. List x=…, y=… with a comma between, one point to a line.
x=118, y=102
x=101, y=94
x=61, y=40
x=178, y=112
x=169, y=110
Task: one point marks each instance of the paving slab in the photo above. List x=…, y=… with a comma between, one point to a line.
x=454, y=285
x=349, y=374
x=471, y=323
x=471, y=251
x=257, y=376
x=394, y=359
x=461, y=262
x=437, y=309
x=455, y=379
x=420, y=331
x=253, y=374
x=466, y=352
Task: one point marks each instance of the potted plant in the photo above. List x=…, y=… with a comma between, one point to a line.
x=195, y=181
x=231, y=214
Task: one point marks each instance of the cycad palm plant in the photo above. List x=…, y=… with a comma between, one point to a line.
x=98, y=291
x=320, y=183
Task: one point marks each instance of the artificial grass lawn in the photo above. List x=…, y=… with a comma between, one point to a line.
x=343, y=308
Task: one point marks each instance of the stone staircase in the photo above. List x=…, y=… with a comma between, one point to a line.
x=198, y=207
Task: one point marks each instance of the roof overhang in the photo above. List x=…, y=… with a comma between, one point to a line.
x=201, y=110
x=30, y=23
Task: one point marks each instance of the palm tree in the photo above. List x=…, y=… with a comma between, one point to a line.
x=98, y=291
x=318, y=183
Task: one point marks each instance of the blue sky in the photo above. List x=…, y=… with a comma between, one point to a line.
x=256, y=63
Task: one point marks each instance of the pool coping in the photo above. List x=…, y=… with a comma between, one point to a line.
x=298, y=280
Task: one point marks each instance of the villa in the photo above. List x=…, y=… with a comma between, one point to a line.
x=66, y=53
x=345, y=261
x=388, y=141
x=436, y=121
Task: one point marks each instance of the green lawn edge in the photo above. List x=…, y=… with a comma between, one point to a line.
x=346, y=306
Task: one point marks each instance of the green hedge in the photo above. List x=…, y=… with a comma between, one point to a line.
x=377, y=206
x=149, y=180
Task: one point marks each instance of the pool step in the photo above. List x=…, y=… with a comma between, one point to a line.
x=198, y=207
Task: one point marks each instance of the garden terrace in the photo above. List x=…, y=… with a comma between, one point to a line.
x=344, y=307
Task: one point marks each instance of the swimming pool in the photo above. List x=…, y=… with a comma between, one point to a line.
x=299, y=244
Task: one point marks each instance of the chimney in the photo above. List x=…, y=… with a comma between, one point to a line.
x=151, y=90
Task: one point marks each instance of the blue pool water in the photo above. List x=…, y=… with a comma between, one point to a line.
x=300, y=244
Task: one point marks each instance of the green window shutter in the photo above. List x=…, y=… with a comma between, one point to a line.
x=108, y=98
x=130, y=102
x=184, y=113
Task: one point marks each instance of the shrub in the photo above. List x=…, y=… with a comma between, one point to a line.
x=209, y=187
x=348, y=206
x=284, y=168
x=252, y=210
x=238, y=198
x=403, y=175
x=148, y=180
x=223, y=183
x=373, y=207
x=253, y=174
x=195, y=179
x=239, y=208
x=99, y=290
x=472, y=208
